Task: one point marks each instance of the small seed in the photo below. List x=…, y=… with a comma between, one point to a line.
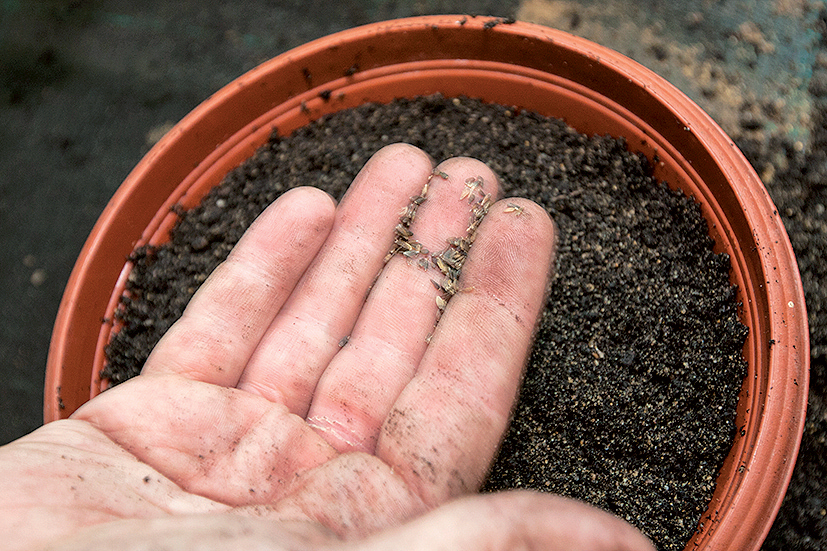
x=454, y=255
x=452, y=262
x=407, y=215
x=486, y=202
x=392, y=252
x=403, y=231
x=423, y=263
x=517, y=209
x=471, y=185
x=414, y=246
x=449, y=286
x=441, y=303
x=439, y=173
x=440, y=263
x=344, y=341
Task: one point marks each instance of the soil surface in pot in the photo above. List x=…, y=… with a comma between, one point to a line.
x=630, y=393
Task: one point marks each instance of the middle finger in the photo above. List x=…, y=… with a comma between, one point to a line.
x=323, y=307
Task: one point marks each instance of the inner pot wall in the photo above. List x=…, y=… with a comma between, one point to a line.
x=592, y=89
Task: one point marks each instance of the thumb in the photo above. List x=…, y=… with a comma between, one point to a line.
x=512, y=520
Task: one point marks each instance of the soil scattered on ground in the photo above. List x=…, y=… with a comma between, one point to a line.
x=630, y=393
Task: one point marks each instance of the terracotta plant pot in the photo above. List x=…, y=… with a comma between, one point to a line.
x=595, y=90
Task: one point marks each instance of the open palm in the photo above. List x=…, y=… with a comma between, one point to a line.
x=315, y=379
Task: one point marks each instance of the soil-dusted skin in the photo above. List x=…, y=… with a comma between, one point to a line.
x=630, y=393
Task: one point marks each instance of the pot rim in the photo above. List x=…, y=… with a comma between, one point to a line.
x=769, y=459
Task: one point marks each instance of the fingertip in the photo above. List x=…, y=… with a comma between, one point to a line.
x=557, y=522
x=395, y=172
x=516, y=247
x=490, y=181
x=516, y=519
x=309, y=196
x=299, y=220
x=306, y=206
x=526, y=216
x=403, y=151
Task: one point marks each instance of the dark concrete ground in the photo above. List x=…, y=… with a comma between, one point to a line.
x=86, y=87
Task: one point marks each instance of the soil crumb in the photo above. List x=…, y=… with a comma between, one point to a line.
x=629, y=397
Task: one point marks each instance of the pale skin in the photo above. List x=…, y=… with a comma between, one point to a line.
x=255, y=425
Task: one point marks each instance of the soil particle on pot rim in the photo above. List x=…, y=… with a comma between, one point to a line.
x=629, y=397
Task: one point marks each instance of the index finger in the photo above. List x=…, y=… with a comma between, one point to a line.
x=444, y=429
x=227, y=317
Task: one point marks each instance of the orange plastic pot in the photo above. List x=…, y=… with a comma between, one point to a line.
x=593, y=89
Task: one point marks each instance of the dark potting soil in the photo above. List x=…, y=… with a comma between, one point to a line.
x=629, y=396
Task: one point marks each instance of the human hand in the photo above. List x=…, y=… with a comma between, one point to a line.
x=254, y=413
